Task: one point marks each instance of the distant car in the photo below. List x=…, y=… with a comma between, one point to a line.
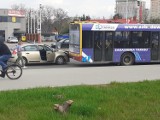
x=63, y=44
x=40, y=53
x=12, y=40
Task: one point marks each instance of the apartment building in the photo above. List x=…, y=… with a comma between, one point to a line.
x=155, y=9
x=12, y=23
x=131, y=9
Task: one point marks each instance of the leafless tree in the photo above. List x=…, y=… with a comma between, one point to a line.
x=47, y=19
x=54, y=19
x=60, y=19
x=51, y=18
x=18, y=7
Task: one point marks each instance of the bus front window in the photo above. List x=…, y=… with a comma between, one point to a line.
x=74, y=44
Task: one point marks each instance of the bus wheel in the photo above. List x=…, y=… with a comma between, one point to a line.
x=127, y=59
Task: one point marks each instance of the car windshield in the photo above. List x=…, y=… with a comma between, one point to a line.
x=62, y=40
x=66, y=41
x=13, y=38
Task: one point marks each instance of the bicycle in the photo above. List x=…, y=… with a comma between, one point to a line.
x=13, y=71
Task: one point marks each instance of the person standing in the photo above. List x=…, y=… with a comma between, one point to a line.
x=19, y=54
x=5, y=54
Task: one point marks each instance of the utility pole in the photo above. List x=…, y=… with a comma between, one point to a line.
x=28, y=15
x=126, y=11
x=34, y=29
x=31, y=21
x=140, y=11
x=40, y=22
x=28, y=22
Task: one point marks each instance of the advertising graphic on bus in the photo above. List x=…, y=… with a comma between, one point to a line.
x=118, y=43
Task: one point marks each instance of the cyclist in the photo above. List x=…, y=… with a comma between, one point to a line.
x=5, y=54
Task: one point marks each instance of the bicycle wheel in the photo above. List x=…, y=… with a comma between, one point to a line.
x=14, y=72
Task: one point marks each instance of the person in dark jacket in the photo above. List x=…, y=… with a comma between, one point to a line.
x=5, y=54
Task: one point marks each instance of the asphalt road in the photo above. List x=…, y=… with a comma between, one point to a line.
x=78, y=74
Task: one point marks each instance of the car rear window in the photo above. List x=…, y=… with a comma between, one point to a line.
x=30, y=48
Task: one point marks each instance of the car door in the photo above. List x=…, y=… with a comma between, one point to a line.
x=42, y=52
x=31, y=53
x=50, y=54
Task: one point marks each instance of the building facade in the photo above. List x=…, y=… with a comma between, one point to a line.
x=12, y=23
x=131, y=9
x=155, y=9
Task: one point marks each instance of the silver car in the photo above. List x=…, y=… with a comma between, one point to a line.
x=12, y=40
x=40, y=53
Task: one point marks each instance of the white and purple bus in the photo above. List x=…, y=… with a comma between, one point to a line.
x=118, y=43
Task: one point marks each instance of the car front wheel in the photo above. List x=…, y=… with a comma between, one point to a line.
x=24, y=61
x=60, y=60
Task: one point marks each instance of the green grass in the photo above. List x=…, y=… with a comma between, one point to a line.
x=117, y=101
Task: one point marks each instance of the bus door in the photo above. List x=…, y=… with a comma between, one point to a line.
x=155, y=46
x=103, y=49
x=98, y=41
x=108, y=46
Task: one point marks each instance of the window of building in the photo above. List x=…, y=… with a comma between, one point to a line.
x=0, y=18
x=10, y=19
x=4, y=19
x=14, y=19
x=18, y=19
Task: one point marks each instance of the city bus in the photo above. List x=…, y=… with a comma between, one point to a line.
x=124, y=44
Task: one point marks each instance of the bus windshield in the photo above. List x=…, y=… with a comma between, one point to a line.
x=74, y=38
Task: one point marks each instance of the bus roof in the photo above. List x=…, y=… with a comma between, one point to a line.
x=119, y=27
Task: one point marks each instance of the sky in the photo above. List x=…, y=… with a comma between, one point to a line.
x=93, y=8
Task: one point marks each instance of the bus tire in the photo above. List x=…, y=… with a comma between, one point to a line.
x=127, y=59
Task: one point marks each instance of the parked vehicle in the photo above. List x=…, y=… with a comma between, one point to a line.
x=59, y=37
x=12, y=40
x=63, y=44
x=40, y=53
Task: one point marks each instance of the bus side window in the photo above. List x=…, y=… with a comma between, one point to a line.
x=136, y=38
x=154, y=42
x=121, y=39
x=117, y=40
x=126, y=39
x=145, y=39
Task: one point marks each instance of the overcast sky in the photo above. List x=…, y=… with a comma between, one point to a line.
x=93, y=8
